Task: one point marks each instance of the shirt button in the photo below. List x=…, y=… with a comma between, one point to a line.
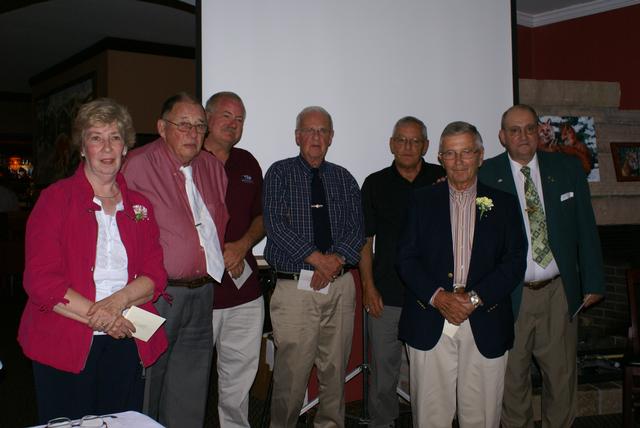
x=450, y=275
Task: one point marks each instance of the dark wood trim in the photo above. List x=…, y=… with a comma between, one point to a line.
x=9, y=5
x=514, y=53
x=89, y=76
x=198, y=93
x=175, y=4
x=15, y=97
x=117, y=44
x=21, y=138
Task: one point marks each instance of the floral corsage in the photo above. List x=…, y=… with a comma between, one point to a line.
x=140, y=213
x=484, y=204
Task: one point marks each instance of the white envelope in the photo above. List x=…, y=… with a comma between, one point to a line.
x=246, y=273
x=145, y=322
x=304, y=282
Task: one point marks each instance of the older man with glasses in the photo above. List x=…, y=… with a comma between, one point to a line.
x=313, y=218
x=462, y=253
x=187, y=189
x=564, y=268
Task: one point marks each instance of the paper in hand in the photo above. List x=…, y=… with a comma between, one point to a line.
x=145, y=322
x=577, y=312
x=246, y=273
x=304, y=282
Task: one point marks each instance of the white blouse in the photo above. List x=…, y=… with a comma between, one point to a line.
x=110, y=273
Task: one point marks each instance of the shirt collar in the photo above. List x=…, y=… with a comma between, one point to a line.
x=175, y=162
x=307, y=168
x=423, y=170
x=119, y=206
x=516, y=166
x=469, y=191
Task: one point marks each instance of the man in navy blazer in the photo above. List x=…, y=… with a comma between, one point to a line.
x=461, y=255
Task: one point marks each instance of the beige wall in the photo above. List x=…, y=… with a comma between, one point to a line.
x=139, y=81
x=96, y=64
x=142, y=82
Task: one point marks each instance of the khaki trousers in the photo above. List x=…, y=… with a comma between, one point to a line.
x=455, y=372
x=542, y=330
x=311, y=328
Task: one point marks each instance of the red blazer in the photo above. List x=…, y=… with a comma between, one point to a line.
x=60, y=245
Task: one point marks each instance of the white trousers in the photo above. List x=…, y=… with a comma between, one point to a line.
x=454, y=371
x=237, y=334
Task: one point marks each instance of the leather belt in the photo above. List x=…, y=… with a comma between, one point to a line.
x=191, y=283
x=537, y=285
x=296, y=276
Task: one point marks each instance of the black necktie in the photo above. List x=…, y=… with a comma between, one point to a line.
x=320, y=213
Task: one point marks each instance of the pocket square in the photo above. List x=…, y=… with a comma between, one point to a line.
x=566, y=196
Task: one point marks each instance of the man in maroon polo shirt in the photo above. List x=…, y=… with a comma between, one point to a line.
x=238, y=308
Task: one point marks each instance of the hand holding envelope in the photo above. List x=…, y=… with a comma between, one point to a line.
x=145, y=322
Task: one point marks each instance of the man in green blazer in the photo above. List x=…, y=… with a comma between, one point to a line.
x=564, y=268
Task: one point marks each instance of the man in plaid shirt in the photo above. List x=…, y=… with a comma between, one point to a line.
x=313, y=219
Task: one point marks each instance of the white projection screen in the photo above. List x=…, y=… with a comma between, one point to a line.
x=368, y=62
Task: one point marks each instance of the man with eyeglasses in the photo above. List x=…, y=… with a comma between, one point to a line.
x=385, y=195
x=238, y=309
x=564, y=268
x=461, y=254
x=313, y=219
x=187, y=189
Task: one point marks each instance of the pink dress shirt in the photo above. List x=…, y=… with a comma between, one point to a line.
x=154, y=171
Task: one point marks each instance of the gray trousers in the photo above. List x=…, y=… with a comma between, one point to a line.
x=386, y=357
x=177, y=384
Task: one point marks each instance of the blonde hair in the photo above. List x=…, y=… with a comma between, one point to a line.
x=104, y=111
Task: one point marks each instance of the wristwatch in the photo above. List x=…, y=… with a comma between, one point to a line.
x=474, y=299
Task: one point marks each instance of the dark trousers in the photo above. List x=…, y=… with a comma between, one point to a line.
x=110, y=382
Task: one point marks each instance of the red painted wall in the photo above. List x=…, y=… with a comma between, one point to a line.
x=603, y=47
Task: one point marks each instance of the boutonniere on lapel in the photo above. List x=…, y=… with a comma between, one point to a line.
x=484, y=204
x=140, y=213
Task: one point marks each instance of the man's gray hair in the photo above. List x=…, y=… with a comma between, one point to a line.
x=180, y=97
x=459, y=127
x=411, y=120
x=212, y=102
x=313, y=109
x=525, y=107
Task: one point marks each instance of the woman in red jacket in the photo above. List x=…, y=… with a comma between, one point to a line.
x=92, y=251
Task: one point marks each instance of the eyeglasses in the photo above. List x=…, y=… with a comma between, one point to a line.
x=201, y=128
x=404, y=141
x=86, y=421
x=465, y=154
x=307, y=132
x=529, y=130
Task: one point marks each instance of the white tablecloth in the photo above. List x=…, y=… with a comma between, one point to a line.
x=128, y=419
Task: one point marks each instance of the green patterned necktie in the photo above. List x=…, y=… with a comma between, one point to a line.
x=537, y=222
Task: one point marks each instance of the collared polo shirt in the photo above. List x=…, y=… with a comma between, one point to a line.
x=244, y=203
x=385, y=195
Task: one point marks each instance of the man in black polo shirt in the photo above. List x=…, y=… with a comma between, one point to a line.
x=238, y=307
x=384, y=197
